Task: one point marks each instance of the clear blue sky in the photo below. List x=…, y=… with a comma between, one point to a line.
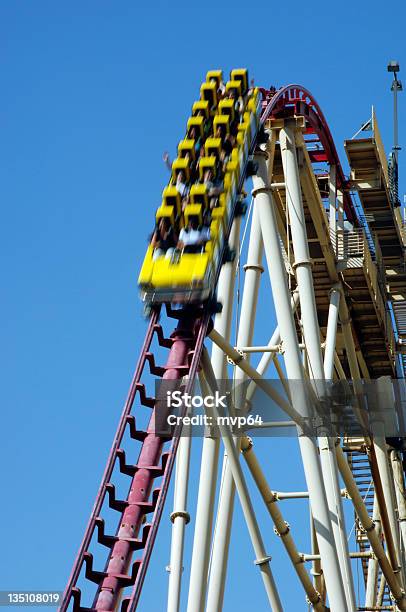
x=92, y=94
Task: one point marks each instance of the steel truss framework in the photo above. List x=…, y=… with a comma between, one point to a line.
x=301, y=247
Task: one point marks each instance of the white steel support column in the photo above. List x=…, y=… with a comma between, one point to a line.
x=221, y=542
x=262, y=558
x=302, y=262
x=311, y=332
x=210, y=450
x=317, y=572
x=180, y=518
x=294, y=370
x=331, y=335
x=372, y=577
x=329, y=461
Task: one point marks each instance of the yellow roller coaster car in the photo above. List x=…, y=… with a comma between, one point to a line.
x=190, y=271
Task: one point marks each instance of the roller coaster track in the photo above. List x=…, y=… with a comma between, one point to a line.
x=121, y=574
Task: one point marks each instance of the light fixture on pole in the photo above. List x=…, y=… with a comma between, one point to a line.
x=393, y=66
x=396, y=86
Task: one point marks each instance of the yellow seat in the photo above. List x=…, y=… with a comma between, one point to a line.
x=212, y=248
x=225, y=199
x=186, y=148
x=207, y=163
x=237, y=85
x=241, y=75
x=254, y=96
x=198, y=195
x=244, y=141
x=195, y=128
x=171, y=197
x=237, y=155
x=244, y=128
x=230, y=183
x=216, y=229
x=252, y=106
x=180, y=164
x=219, y=213
x=221, y=122
x=166, y=212
x=226, y=107
x=201, y=108
x=212, y=146
x=233, y=166
x=250, y=120
x=241, y=138
x=193, y=210
x=214, y=75
x=208, y=92
x=246, y=117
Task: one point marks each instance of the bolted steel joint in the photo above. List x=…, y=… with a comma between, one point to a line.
x=263, y=561
x=283, y=533
x=256, y=267
x=314, y=600
x=250, y=444
x=237, y=361
x=181, y=514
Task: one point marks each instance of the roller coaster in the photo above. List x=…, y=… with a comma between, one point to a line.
x=332, y=247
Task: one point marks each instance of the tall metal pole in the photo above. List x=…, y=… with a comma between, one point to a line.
x=329, y=461
x=396, y=86
x=294, y=370
x=263, y=559
x=331, y=335
x=210, y=450
x=372, y=577
x=311, y=331
x=221, y=542
x=180, y=518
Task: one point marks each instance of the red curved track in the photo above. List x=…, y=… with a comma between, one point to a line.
x=296, y=100
x=185, y=346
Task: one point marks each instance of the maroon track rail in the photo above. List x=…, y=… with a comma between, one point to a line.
x=296, y=100
x=185, y=346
